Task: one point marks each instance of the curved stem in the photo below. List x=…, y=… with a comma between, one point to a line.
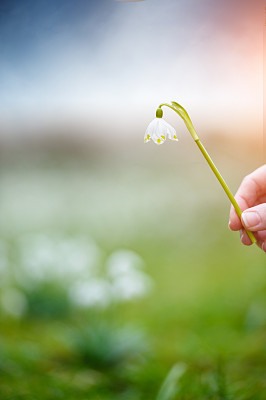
x=184, y=115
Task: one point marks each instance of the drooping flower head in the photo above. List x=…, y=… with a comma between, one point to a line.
x=159, y=129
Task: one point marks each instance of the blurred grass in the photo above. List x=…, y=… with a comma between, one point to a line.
x=206, y=312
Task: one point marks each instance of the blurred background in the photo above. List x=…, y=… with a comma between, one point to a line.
x=119, y=276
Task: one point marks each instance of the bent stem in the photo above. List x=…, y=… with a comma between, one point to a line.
x=184, y=115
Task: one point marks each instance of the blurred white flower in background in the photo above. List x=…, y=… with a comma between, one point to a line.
x=124, y=267
x=124, y=280
x=73, y=266
x=132, y=285
x=44, y=257
x=94, y=292
x=123, y=262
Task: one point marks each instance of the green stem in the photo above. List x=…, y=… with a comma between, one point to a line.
x=184, y=115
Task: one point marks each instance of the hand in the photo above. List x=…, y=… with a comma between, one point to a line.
x=251, y=198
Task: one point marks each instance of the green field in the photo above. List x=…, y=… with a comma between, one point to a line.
x=120, y=280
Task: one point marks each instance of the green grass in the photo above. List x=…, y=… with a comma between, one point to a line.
x=199, y=334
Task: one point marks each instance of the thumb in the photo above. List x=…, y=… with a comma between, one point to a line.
x=254, y=218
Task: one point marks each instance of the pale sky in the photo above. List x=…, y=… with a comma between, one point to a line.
x=109, y=64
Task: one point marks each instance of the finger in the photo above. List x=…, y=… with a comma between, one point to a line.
x=254, y=184
x=260, y=237
x=252, y=187
x=254, y=218
x=244, y=238
x=261, y=242
x=235, y=223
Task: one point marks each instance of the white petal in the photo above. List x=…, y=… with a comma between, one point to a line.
x=171, y=132
x=158, y=134
x=149, y=130
x=172, y=135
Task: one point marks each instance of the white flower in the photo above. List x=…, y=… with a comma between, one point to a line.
x=122, y=262
x=90, y=293
x=158, y=130
x=132, y=285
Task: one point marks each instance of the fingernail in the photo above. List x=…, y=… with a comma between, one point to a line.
x=251, y=219
x=241, y=234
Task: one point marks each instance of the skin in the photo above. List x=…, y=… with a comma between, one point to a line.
x=251, y=198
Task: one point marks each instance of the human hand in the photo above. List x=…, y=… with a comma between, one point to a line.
x=251, y=198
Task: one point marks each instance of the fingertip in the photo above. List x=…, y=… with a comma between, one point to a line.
x=232, y=226
x=235, y=225
x=244, y=238
x=234, y=221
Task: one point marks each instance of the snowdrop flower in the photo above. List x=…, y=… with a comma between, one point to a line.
x=91, y=293
x=122, y=262
x=158, y=130
x=46, y=257
x=133, y=285
x=124, y=268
